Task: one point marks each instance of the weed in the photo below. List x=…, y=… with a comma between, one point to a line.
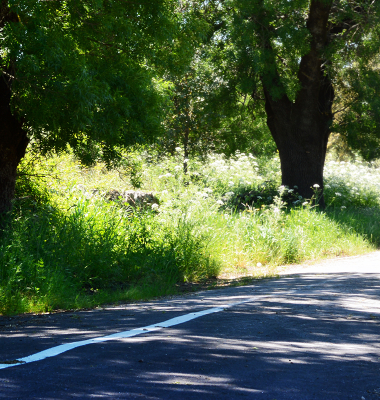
x=68, y=246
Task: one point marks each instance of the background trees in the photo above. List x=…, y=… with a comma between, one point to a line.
x=207, y=115
x=84, y=74
x=308, y=68
x=357, y=110
x=212, y=106
x=295, y=54
x=102, y=74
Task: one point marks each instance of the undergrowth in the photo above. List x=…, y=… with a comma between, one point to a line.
x=68, y=246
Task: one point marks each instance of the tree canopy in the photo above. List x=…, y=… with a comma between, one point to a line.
x=261, y=51
x=85, y=73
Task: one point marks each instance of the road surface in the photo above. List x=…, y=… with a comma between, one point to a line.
x=313, y=333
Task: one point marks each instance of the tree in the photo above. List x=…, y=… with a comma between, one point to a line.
x=209, y=111
x=84, y=74
x=204, y=116
x=293, y=54
x=357, y=111
x=191, y=123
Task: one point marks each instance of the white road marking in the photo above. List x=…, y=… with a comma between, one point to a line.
x=55, y=351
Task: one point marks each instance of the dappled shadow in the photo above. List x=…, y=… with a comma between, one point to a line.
x=300, y=337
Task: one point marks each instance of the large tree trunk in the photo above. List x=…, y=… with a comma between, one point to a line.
x=301, y=131
x=13, y=143
x=13, y=138
x=301, y=128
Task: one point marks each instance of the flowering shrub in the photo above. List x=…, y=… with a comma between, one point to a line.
x=352, y=184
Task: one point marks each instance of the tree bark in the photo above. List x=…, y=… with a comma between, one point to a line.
x=13, y=138
x=13, y=143
x=301, y=131
x=301, y=128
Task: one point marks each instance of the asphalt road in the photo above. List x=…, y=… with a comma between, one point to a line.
x=314, y=333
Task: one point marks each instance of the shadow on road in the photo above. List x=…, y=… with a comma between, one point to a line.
x=302, y=337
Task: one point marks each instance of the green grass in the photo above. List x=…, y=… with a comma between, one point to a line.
x=67, y=247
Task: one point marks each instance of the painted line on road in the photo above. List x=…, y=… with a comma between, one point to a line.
x=57, y=350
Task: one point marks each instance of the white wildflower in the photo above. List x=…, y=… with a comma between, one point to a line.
x=316, y=185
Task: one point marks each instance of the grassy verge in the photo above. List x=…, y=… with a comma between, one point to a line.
x=69, y=247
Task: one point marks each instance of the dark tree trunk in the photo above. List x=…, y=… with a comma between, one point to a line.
x=301, y=131
x=301, y=128
x=13, y=143
x=13, y=138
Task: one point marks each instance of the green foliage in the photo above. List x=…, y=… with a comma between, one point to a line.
x=212, y=109
x=59, y=258
x=258, y=43
x=266, y=37
x=67, y=246
x=85, y=73
x=359, y=123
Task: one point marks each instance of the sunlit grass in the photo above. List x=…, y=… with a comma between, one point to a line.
x=69, y=247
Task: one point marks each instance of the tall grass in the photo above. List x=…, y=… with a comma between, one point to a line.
x=67, y=246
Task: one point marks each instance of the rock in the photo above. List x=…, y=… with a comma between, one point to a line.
x=113, y=195
x=135, y=198
x=139, y=198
